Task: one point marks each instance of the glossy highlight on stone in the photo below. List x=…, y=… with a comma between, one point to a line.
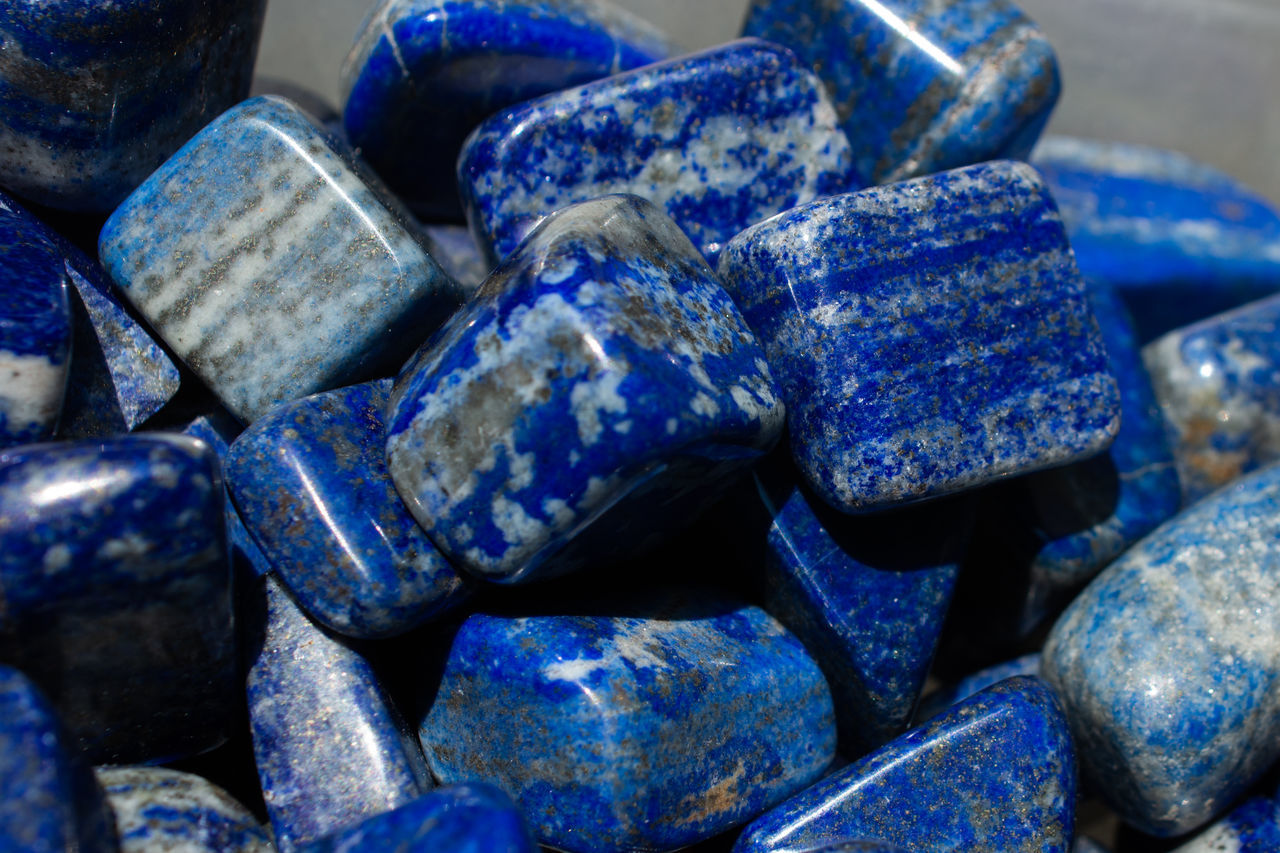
x=1252, y=827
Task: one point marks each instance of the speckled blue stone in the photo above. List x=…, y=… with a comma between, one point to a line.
x=330, y=747
x=994, y=773
x=929, y=336
x=719, y=139
x=597, y=383
x=1168, y=664
x=921, y=85
x=646, y=731
x=474, y=818
x=1252, y=827
x=49, y=800
x=310, y=480
x=1180, y=240
x=116, y=583
x=423, y=73
x=938, y=701
x=850, y=847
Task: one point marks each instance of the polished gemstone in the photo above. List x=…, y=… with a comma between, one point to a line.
x=456, y=251
x=940, y=700
x=1252, y=827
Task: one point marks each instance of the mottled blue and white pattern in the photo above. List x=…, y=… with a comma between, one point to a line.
x=1252, y=827
x=157, y=809
x=331, y=750
x=921, y=85
x=268, y=266
x=1168, y=664
x=718, y=139
x=929, y=336
x=602, y=367
x=649, y=731
x=994, y=773
x=94, y=96
x=424, y=73
x=940, y=700
x=49, y=800
x=116, y=584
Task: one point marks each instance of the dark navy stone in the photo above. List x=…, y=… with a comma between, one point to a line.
x=646, y=731
x=310, y=479
x=994, y=773
x=598, y=381
x=718, y=139
x=116, y=583
x=94, y=96
x=331, y=750
x=1180, y=240
x=1168, y=664
x=938, y=701
x=1252, y=827
x=423, y=73
x=921, y=85
x=49, y=800
x=930, y=336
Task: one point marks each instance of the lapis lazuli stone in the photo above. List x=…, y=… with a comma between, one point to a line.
x=929, y=336
x=330, y=747
x=1180, y=240
x=473, y=818
x=49, y=800
x=1251, y=827
x=455, y=249
x=920, y=85
x=1168, y=664
x=156, y=808
x=601, y=368
x=719, y=139
x=310, y=479
x=268, y=266
x=94, y=96
x=994, y=773
x=937, y=702
x=116, y=583
x=424, y=73
x=649, y=731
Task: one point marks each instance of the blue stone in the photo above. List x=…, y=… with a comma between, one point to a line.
x=1168, y=664
x=49, y=800
x=930, y=336
x=330, y=747
x=474, y=818
x=159, y=809
x=116, y=583
x=592, y=388
x=458, y=255
x=719, y=139
x=994, y=773
x=424, y=73
x=1088, y=845
x=937, y=702
x=1252, y=827
x=310, y=479
x=1180, y=240
x=921, y=85
x=850, y=847
x=646, y=731
x=94, y=96
x=268, y=266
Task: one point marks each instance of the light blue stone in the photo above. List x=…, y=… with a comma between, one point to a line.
x=940, y=700
x=459, y=255
x=1252, y=827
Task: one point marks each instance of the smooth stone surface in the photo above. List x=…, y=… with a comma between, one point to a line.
x=1180, y=240
x=424, y=73
x=601, y=368
x=474, y=818
x=718, y=139
x=940, y=700
x=116, y=583
x=331, y=750
x=458, y=255
x=994, y=773
x=310, y=480
x=646, y=731
x=1168, y=664
x=268, y=266
x=929, y=336
x=157, y=809
x=49, y=800
x=921, y=86
x=94, y=96
x=1252, y=827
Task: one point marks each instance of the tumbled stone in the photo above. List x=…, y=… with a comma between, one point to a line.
x=268, y=266
x=921, y=85
x=929, y=336
x=940, y=700
x=456, y=251
x=994, y=773
x=1252, y=827
x=1168, y=664
x=718, y=139
x=598, y=381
